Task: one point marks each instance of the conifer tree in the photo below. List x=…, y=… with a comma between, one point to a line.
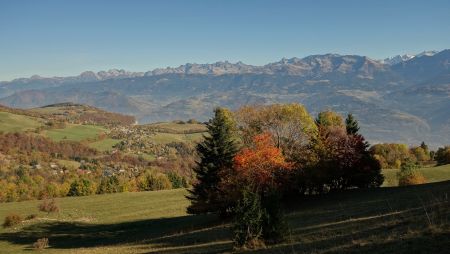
x=351, y=125
x=216, y=154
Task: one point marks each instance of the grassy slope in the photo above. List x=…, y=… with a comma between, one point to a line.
x=432, y=174
x=74, y=132
x=386, y=220
x=104, y=144
x=17, y=123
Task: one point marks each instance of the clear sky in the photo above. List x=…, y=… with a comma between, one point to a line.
x=62, y=38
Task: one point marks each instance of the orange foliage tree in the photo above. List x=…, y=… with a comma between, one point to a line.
x=261, y=165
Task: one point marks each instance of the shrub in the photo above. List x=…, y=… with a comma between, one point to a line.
x=109, y=185
x=177, y=180
x=81, y=187
x=31, y=216
x=40, y=244
x=152, y=180
x=12, y=220
x=48, y=206
x=409, y=175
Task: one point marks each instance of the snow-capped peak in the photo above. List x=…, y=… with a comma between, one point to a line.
x=403, y=58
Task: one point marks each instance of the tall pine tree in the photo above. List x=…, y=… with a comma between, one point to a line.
x=351, y=125
x=216, y=154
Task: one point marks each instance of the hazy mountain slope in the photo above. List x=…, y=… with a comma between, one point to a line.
x=406, y=102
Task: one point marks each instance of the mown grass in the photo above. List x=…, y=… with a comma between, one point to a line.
x=17, y=123
x=412, y=219
x=75, y=132
x=431, y=174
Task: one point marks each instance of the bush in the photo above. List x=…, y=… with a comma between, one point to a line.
x=48, y=206
x=409, y=175
x=12, y=220
x=109, y=185
x=40, y=244
x=81, y=187
x=177, y=180
x=152, y=180
x=31, y=216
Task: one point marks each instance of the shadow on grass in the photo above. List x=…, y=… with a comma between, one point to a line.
x=355, y=221
x=164, y=232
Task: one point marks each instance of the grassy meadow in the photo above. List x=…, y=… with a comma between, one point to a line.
x=17, y=123
x=431, y=174
x=75, y=132
x=383, y=220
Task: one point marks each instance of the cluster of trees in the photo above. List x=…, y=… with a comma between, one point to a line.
x=26, y=184
x=261, y=152
x=442, y=155
x=33, y=167
x=396, y=155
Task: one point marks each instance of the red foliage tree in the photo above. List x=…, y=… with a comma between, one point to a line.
x=262, y=165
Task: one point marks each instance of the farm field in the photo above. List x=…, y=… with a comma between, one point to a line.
x=431, y=174
x=380, y=220
x=17, y=123
x=75, y=132
x=104, y=144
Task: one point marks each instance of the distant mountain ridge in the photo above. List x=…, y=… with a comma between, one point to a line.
x=404, y=102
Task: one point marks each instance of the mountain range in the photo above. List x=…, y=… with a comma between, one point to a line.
x=399, y=99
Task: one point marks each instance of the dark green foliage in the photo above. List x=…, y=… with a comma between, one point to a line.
x=258, y=219
x=216, y=154
x=351, y=125
x=249, y=219
x=109, y=184
x=80, y=187
x=442, y=155
x=177, y=180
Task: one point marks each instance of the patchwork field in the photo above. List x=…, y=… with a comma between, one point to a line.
x=414, y=219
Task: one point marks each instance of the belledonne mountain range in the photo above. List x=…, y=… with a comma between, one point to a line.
x=395, y=101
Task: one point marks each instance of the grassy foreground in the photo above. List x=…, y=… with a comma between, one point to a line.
x=386, y=220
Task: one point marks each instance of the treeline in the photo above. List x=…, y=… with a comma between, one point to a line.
x=397, y=155
x=252, y=158
x=21, y=143
x=35, y=167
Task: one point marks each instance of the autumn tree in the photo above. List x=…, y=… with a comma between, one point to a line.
x=262, y=164
x=216, y=154
x=259, y=172
x=290, y=125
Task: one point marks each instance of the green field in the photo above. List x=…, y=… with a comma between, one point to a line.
x=17, y=123
x=164, y=138
x=75, y=132
x=412, y=219
x=432, y=174
x=104, y=144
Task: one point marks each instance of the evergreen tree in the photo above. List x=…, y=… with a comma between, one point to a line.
x=351, y=125
x=216, y=154
x=425, y=147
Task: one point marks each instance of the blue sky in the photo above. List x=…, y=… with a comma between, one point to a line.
x=67, y=37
